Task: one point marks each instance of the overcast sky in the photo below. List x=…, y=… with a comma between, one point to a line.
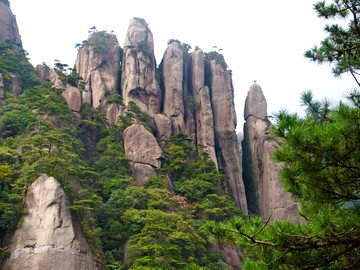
x=260, y=39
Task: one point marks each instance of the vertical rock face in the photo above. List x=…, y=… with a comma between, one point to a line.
x=204, y=112
x=265, y=194
x=98, y=62
x=222, y=97
x=173, y=74
x=138, y=80
x=49, y=237
x=8, y=25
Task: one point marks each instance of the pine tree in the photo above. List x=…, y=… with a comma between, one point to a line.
x=320, y=154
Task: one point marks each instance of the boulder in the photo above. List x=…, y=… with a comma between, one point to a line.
x=49, y=237
x=141, y=146
x=142, y=172
x=163, y=128
x=72, y=96
x=138, y=82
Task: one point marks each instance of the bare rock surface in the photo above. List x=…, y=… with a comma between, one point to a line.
x=99, y=66
x=49, y=237
x=141, y=146
x=8, y=25
x=265, y=194
x=138, y=82
x=222, y=97
x=173, y=74
x=163, y=128
x=43, y=71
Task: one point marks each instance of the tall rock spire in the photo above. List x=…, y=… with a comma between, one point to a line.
x=265, y=195
x=173, y=75
x=222, y=99
x=138, y=82
x=8, y=24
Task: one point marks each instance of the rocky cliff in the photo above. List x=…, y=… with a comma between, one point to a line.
x=189, y=91
x=50, y=236
x=265, y=194
x=8, y=26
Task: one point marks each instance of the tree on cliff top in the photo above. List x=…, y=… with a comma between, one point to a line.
x=320, y=154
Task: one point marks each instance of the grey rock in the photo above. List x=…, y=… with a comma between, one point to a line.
x=141, y=146
x=49, y=236
x=138, y=82
x=8, y=25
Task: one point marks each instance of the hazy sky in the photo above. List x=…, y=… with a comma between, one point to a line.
x=260, y=39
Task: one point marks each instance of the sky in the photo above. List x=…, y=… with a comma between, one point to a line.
x=261, y=40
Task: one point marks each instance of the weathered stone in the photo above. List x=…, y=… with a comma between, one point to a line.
x=222, y=97
x=198, y=72
x=8, y=25
x=138, y=80
x=72, y=96
x=100, y=69
x=163, y=128
x=141, y=146
x=43, y=71
x=142, y=172
x=172, y=68
x=255, y=103
x=265, y=194
x=49, y=237
x=205, y=123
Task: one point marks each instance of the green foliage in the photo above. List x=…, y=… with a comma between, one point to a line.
x=15, y=61
x=320, y=154
x=15, y=118
x=219, y=58
x=341, y=47
x=99, y=41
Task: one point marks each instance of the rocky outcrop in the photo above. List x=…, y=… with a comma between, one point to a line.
x=141, y=146
x=138, y=82
x=163, y=128
x=173, y=75
x=43, y=72
x=265, y=194
x=222, y=100
x=49, y=236
x=8, y=25
x=71, y=94
x=98, y=63
x=203, y=108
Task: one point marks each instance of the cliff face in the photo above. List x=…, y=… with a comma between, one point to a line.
x=50, y=236
x=264, y=192
x=8, y=25
x=138, y=81
x=205, y=111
